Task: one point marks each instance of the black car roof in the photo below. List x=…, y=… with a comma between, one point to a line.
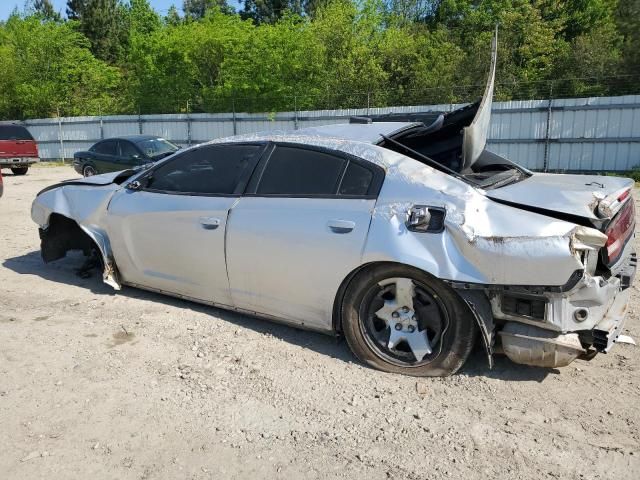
x=135, y=138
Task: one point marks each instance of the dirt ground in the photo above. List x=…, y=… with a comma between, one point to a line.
x=133, y=385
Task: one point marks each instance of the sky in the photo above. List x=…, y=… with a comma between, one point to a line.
x=161, y=6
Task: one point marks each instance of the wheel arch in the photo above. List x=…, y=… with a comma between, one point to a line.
x=63, y=234
x=475, y=301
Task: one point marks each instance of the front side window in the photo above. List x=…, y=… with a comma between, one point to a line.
x=296, y=171
x=213, y=170
x=127, y=150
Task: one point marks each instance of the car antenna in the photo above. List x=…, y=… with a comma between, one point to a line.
x=429, y=161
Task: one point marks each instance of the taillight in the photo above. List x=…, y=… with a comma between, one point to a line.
x=619, y=231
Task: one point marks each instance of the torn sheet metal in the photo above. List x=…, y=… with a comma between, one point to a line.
x=475, y=135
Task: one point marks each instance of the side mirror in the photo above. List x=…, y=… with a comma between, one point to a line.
x=133, y=186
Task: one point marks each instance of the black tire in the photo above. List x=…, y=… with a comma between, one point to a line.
x=19, y=170
x=452, y=343
x=89, y=171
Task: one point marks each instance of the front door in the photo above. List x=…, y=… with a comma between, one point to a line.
x=170, y=234
x=298, y=232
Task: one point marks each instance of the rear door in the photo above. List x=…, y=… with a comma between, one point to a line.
x=170, y=234
x=107, y=156
x=298, y=231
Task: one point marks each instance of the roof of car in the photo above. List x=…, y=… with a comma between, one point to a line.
x=136, y=138
x=359, y=132
x=356, y=139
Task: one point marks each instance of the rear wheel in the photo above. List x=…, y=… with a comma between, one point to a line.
x=19, y=170
x=89, y=171
x=398, y=319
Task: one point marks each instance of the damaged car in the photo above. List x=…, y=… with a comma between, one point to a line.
x=402, y=233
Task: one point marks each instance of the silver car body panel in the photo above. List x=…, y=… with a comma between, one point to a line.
x=571, y=194
x=295, y=280
x=173, y=243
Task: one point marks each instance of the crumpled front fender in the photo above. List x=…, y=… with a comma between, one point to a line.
x=86, y=205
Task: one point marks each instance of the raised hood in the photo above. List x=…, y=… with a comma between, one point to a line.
x=589, y=197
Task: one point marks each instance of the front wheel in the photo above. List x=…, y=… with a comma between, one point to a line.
x=19, y=170
x=399, y=319
x=89, y=171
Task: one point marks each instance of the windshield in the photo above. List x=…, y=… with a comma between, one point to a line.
x=157, y=147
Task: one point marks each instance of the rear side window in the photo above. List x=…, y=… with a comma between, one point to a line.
x=210, y=170
x=297, y=171
x=14, y=132
x=356, y=181
x=108, y=147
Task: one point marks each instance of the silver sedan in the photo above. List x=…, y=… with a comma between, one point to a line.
x=402, y=233
x=365, y=229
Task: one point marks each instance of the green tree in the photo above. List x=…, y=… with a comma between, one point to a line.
x=173, y=17
x=50, y=67
x=45, y=10
x=197, y=9
x=275, y=67
x=142, y=19
x=269, y=11
x=103, y=23
x=626, y=17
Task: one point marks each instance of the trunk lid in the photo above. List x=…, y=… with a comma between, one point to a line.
x=474, y=136
x=594, y=198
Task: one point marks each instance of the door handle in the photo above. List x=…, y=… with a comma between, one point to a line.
x=209, y=223
x=341, y=226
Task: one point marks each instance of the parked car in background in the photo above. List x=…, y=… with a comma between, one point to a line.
x=121, y=153
x=18, y=149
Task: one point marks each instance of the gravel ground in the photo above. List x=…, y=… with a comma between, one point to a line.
x=134, y=385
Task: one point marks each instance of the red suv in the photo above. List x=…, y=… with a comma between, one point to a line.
x=18, y=149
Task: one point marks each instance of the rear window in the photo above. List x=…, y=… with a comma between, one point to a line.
x=14, y=132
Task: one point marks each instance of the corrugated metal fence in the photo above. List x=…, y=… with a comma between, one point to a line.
x=584, y=134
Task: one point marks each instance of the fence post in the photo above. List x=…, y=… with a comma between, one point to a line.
x=101, y=124
x=545, y=165
x=60, y=136
x=295, y=112
x=368, y=102
x=233, y=107
x=188, y=125
x=139, y=122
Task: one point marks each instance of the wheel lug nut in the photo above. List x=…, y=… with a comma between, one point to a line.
x=405, y=309
x=414, y=318
x=395, y=314
x=412, y=328
x=398, y=326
